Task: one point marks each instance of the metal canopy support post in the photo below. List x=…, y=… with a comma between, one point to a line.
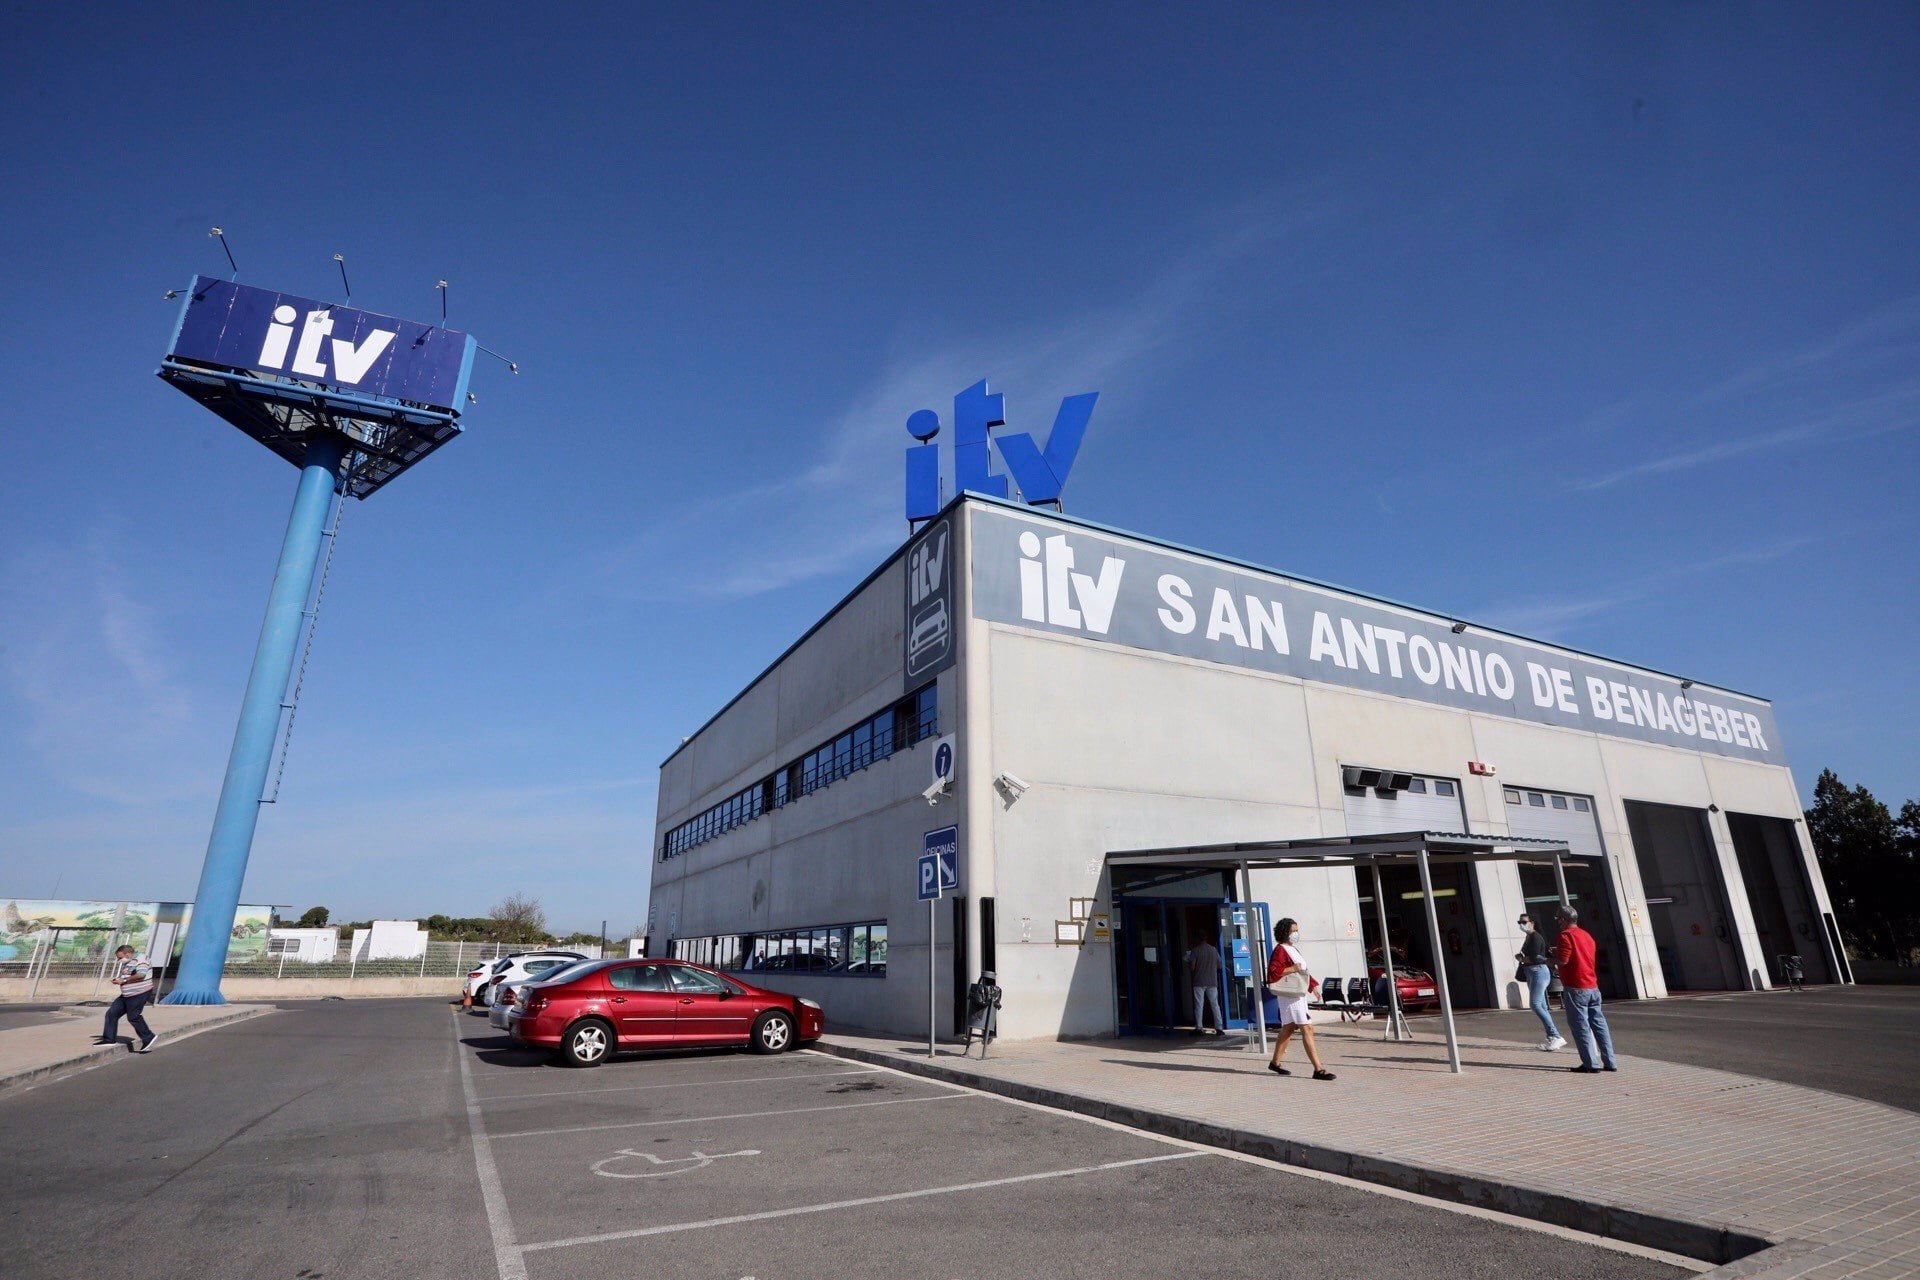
x=1439, y=964
x=1258, y=928
x=1396, y=1021
x=218, y=897
x=1560, y=880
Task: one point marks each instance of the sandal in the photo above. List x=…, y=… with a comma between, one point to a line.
x=1324, y=1075
x=1277, y=1069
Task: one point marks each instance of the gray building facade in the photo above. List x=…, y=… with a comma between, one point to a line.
x=1105, y=692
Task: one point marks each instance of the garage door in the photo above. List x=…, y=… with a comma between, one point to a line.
x=1558, y=815
x=1551, y=815
x=1423, y=804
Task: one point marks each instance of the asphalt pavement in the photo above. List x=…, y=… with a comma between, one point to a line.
x=1859, y=1041
x=389, y=1138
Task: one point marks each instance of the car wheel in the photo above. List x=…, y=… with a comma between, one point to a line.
x=773, y=1033
x=588, y=1043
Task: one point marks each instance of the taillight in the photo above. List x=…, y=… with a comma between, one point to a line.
x=535, y=1004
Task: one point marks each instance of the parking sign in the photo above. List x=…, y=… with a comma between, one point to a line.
x=929, y=877
x=943, y=846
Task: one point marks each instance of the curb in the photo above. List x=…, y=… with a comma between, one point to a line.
x=1716, y=1243
x=48, y=1072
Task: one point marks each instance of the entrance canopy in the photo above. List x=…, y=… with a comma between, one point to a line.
x=1422, y=849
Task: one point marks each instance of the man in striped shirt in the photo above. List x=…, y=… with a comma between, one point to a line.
x=134, y=977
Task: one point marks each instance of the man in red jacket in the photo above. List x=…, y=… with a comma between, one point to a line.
x=1574, y=952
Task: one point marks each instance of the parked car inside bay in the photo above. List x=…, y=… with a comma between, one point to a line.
x=588, y=1013
x=507, y=990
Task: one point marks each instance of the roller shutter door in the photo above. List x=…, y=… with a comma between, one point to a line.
x=1427, y=804
x=1553, y=815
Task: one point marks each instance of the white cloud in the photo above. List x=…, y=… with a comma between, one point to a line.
x=841, y=510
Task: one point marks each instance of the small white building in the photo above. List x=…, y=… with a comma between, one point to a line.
x=1107, y=693
x=306, y=946
x=389, y=940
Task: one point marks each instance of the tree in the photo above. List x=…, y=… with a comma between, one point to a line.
x=518, y=918
x=314, y=918
x=1869, y=862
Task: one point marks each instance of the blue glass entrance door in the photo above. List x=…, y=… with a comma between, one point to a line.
x=1154, y=979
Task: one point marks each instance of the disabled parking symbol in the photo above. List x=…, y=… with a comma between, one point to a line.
x=655, y=1167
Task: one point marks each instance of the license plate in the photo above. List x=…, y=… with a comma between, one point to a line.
x=1424, y=991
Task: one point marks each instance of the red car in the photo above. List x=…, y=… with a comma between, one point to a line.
x=591, y=1014
x=1417, y=988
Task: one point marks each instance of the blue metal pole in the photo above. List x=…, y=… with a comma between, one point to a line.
x=218, y=897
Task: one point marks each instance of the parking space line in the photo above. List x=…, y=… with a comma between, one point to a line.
x=507, y=1255
x=744, y=1115
x=770, y=1214
x=681, y=1084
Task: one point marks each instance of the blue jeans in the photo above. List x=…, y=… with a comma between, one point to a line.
x=130, y=1006
x=1589, y=1025
x=1539, y=977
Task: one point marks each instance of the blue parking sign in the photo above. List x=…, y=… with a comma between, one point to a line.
x=929, y=877
x=944, y=847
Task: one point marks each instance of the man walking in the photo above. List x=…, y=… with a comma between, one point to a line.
x=134, y=977
x=1203, y=963
x=1575, y=951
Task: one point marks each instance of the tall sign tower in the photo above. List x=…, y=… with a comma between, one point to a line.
x=351, y=399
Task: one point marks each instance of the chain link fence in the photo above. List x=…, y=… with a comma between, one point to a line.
x=68, y=962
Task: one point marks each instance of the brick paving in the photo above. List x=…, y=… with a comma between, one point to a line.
x=1831, y=1182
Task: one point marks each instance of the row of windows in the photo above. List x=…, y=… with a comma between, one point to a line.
x=906, y=722
x=1441, y=787
x=1541, y=799
x=834, y=950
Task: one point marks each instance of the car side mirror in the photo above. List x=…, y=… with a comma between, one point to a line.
x=728, y=994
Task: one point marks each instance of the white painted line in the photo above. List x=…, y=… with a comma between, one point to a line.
x=862, y=1201
x=506, y=1254
x=1680, y=1261
x=680, y=1084
x=744, y=1115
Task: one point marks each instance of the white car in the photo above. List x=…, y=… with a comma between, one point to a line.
x=502, y=996
x=518, y=968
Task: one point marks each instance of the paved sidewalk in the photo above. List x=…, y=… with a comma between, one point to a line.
x=1776, y=1180
x=61, y=1043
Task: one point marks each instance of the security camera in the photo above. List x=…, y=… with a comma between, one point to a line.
x=1010, y=786
x=933, y=793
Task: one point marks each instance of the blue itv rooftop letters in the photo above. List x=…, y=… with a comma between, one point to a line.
x=1040, y=474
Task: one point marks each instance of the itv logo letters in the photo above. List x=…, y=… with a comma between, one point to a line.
x=1039, y=474
x=351, y=360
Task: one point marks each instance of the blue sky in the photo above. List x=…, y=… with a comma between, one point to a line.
x=1601, y=325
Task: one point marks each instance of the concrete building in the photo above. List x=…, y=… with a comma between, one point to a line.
x=1105, y=692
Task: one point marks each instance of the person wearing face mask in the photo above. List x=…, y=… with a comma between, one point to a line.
x=1537, y=974
x=1287, y=972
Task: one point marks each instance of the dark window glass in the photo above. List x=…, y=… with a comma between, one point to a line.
x=1559, y=802
x=1418, y=786
x=1442, y=788
x=863, y=746
x=1536, y=800
x=639, y=977
x=693, y=981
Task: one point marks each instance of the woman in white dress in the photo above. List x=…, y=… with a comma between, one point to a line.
x=1294, y=1013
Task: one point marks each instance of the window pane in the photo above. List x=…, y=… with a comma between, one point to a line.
x=863, y=746
x=1580, y=804
x=1513, y=797
x=1536, y=800
x=1442, y=788
x=1418, y=786
x=877, y=949
x=694, y=981
x=1559, y=802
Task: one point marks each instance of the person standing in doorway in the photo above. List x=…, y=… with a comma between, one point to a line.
x=1537, y=973
x=1203, y=963
x=1287, y=973
x=134, y=977
x=1575, y=952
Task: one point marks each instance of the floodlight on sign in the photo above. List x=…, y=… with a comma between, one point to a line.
x=284, y=368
